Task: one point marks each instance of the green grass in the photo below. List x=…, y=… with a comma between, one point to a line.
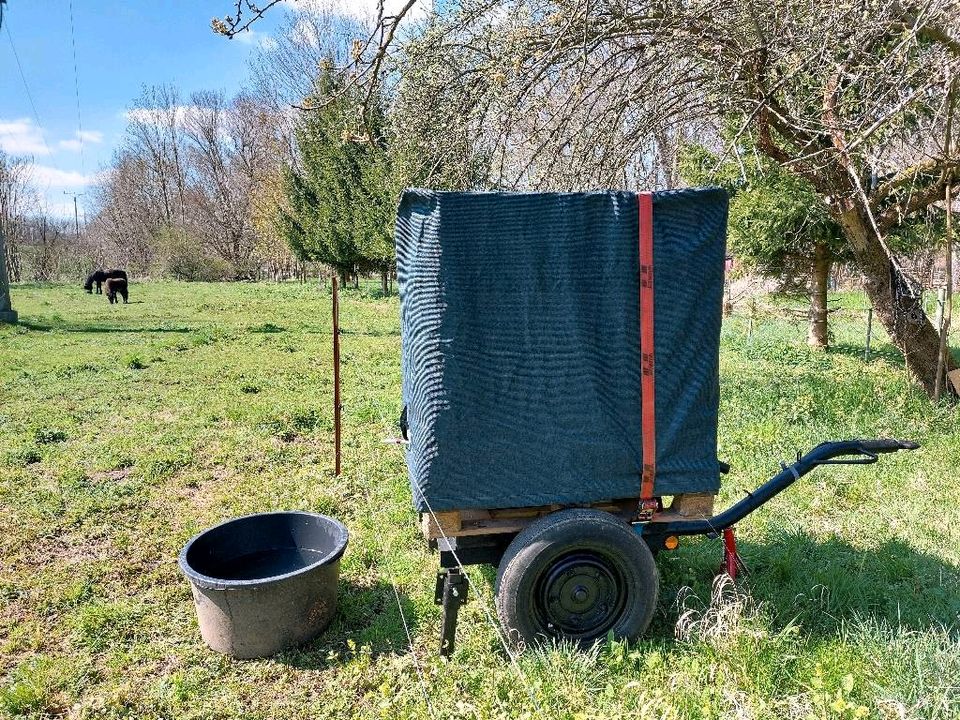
x=126, y=429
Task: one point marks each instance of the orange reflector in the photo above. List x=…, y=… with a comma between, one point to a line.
x=671, y=542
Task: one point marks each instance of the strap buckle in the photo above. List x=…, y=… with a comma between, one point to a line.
x=647, y=509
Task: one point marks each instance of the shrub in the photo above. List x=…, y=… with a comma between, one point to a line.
x=134, y=362
x=48, y=436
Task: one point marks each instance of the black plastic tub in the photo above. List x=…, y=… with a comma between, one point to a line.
x=265, y=582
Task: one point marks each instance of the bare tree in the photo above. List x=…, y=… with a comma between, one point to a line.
x=129, y=216
x=284, y=71
x=15, y=197
x=230, y=149
x=155, y=135
x=18, y=200
x=48, y=247
x=181, y=188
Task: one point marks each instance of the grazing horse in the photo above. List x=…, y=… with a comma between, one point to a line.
x=114, y=287
x=98, y=276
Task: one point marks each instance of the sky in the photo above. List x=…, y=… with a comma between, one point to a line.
x=121, y=45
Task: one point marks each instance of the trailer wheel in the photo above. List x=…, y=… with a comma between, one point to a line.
x=576, y=574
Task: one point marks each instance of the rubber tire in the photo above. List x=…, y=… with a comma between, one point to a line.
x=535, y=549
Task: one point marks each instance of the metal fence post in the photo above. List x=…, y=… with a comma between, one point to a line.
x=336, y=372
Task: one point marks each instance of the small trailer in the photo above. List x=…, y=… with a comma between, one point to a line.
x=560, y=358
x=581, y=573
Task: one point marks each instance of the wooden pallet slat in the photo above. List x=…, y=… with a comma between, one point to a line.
x=492, y=521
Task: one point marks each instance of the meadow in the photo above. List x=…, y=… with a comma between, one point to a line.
x=126, y=429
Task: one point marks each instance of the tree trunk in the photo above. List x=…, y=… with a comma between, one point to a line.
x=818, y=335
x=14, y=269
x=383, y=283
x=901, y=316
x=946, y=312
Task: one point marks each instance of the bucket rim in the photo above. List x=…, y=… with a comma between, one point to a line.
x=208, y=582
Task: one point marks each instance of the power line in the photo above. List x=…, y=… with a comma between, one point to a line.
x=26, y=87
x=76, y=87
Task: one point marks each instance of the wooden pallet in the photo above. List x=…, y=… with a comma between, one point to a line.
x=493, y=521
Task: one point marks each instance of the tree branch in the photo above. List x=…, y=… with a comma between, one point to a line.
x=231, y=25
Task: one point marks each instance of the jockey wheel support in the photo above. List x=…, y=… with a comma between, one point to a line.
x=732, y=563
x=451, y=593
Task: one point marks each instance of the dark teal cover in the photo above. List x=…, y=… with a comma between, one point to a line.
x=520, y=336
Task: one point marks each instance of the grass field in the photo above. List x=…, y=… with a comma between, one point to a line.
x=124, y=430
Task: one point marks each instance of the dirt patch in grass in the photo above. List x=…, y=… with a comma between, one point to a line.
x=116, y=475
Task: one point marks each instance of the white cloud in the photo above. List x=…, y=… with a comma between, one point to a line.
x=75, y=144
x=249, y=37
x=360, y=9
x=255, y=37
x=366, y=10
x=22, y=137
x=90, y=136
x=363, y=10
x=158, y=117
x=52, y=177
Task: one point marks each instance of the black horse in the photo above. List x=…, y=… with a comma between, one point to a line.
x=116, y=286
x=98, y=276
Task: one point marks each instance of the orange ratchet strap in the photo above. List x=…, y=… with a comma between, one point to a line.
x=647, y=385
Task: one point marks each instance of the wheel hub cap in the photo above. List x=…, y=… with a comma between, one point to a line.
x=581, y=595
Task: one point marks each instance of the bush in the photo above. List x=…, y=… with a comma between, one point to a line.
x=49, y=436
x=134, y=362
x=185, y=259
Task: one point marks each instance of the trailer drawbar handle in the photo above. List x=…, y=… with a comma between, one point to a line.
x=822, y=454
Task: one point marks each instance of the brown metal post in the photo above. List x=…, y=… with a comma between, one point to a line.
x=336, y=372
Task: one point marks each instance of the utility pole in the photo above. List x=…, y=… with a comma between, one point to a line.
x=7, y=313
x=76, y=213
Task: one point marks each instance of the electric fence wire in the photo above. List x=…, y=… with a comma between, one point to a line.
x=485, y=601
x=424, y=688
x=76, y=87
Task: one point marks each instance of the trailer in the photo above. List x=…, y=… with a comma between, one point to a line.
x=560, y=359
x=581, y=573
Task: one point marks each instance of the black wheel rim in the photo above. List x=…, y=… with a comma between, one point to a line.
x=581, y=595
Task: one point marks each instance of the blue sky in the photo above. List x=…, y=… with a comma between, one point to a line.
x=120, y=47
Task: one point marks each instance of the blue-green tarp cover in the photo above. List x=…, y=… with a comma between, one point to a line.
x=520, y=336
